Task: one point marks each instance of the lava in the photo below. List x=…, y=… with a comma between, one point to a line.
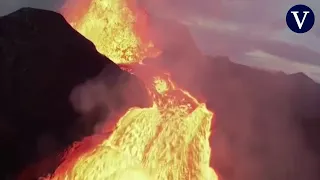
x=111, y=25
x=169, y=140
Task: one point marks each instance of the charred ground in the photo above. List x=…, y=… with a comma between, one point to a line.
x=42, y=59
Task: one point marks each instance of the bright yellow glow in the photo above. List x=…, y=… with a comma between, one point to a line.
x=110, y=25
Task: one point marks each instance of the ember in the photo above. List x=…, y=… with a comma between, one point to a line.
x=169, y=140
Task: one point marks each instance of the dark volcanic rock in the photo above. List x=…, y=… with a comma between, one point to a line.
x=42, y=59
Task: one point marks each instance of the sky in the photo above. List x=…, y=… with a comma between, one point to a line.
x=251, y=32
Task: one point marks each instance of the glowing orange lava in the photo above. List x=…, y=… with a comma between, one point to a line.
x=168, y=141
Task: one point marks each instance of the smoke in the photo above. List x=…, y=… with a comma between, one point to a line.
x=256, y=134
x=104, y=99
x=93, y=100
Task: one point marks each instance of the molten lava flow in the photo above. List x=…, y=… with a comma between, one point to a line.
x=166, y=141
x=169, y=140
x=110, y=24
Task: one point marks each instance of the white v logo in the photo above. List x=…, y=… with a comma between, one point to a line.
x=296, y=17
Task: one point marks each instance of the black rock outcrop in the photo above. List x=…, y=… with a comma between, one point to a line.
x=42, y=58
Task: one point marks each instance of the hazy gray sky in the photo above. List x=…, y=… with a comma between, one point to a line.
x=7, y=6
x=251, y=32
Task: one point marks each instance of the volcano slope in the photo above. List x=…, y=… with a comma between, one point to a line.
x=42, y=59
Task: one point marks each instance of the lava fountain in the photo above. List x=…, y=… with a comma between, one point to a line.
x=168, y=141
